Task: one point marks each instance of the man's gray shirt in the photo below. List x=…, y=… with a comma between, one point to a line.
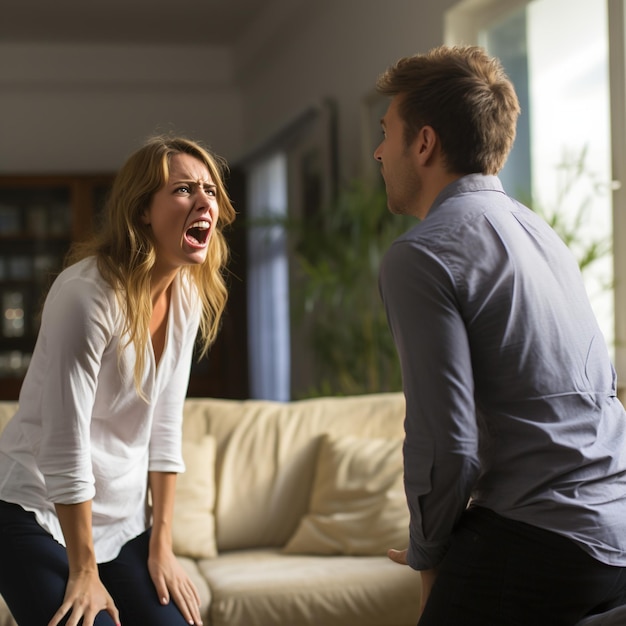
x=510, y=393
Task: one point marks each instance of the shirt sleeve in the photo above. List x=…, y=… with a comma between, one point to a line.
x=75, y=332
x=441, y=433
x=166, y=435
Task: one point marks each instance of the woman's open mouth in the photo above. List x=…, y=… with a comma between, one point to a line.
x=198, y=233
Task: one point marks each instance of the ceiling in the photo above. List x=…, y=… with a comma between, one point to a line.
x=160, y=22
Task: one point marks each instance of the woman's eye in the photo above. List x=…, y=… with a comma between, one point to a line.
x=183, y=189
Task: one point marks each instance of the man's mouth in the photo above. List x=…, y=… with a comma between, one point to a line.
x=198, y=233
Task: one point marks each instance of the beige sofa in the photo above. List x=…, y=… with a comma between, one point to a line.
x=286, y=510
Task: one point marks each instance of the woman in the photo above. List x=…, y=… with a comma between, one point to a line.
x=99, y=418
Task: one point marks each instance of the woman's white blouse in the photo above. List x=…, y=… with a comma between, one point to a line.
x=82, y=432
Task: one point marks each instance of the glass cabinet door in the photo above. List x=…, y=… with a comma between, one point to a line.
x=39, y=220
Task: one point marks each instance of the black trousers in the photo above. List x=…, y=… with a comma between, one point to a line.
x=500, y=572
x=34, y=571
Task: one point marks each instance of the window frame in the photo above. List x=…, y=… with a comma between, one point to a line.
x=463, y=24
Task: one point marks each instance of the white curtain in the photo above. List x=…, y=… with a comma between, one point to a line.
x=268, y=280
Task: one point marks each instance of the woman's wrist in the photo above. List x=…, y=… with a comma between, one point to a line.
x=160, y=540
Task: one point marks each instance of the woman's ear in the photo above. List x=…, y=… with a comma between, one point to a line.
x=145, y=217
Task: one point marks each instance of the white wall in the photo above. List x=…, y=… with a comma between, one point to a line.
x=330, y=48
x=84, y=108
x=79, y=108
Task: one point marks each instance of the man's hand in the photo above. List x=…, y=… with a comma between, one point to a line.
x=428, y=575
x=397, y=556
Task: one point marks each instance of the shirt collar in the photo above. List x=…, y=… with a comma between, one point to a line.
x=467, y=184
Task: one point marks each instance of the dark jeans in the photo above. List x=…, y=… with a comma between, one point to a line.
x=499, y=572
x=34, y=570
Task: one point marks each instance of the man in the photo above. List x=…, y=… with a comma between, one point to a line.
x=515, y=448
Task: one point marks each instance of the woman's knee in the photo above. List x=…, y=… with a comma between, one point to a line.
x=34, y=568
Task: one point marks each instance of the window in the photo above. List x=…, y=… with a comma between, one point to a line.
x=268, y=280
x=556, y=52
x=289, y=177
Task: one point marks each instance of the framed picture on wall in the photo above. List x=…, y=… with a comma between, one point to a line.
x=312, y=161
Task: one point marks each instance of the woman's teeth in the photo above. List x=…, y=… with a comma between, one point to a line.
x=199, y=231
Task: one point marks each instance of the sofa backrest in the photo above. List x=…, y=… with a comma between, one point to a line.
x=7, y=410
x=266, y=456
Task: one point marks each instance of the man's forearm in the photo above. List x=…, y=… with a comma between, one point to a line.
x=428, y=580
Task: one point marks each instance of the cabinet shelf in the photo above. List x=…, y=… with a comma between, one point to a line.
x=40, y=217
x=32, y=239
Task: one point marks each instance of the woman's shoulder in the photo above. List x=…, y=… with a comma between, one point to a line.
x=82, y=284
x=84, y=271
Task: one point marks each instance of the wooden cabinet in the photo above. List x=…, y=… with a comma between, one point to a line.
x=40, y=217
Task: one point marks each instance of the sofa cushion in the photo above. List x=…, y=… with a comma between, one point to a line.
x=357, y=506
x=193, y=529
x=266, y=588
x=6, y=619
x=267, y=452
x=195, y=575
x=614, y=617
x=7, y=411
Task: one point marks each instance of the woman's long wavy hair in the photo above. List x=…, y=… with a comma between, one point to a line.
x=126, y=253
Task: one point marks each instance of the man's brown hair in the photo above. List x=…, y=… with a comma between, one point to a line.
x=465, y=96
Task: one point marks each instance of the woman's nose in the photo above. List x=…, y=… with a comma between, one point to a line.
x=203, y=197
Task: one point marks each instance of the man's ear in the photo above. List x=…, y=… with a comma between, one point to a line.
x=426, y=145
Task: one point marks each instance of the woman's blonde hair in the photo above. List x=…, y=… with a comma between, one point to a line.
x=125, y=250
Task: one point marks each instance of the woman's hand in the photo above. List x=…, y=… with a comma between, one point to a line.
x=85, y=597
x=168, y=576
x=171, y=581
